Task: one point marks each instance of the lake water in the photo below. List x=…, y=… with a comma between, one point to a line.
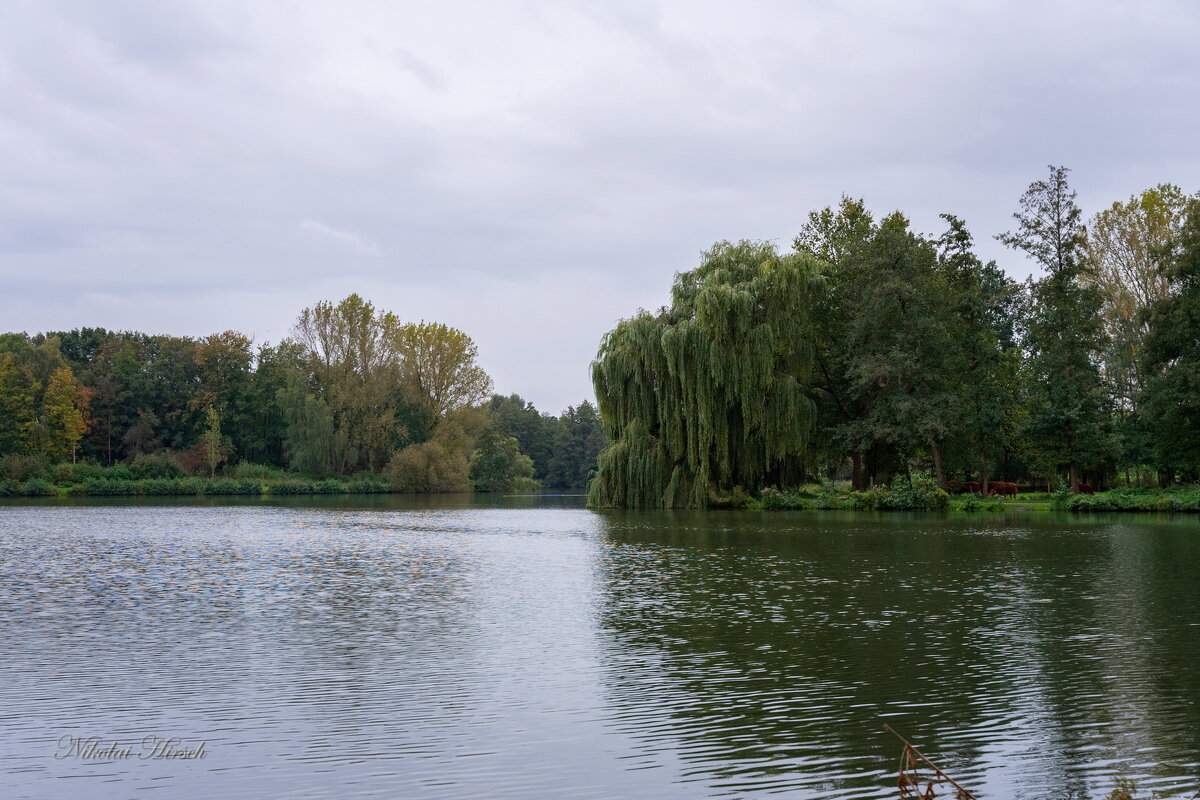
x=529, y=648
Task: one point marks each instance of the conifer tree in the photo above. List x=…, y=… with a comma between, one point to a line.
x=1067, y=423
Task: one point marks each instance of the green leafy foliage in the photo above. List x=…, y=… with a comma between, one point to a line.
x=868, y=352
x=709, y=394
x=498, y=464
x=156, y=465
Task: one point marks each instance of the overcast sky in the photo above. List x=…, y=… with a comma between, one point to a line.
x=531, y=172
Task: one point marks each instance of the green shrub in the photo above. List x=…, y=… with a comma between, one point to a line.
x=247, y=470
x=292, y=487
x=223, y=486
x=8, y=488
x=872, y=499
x=429, y=467
x=1167, y=503
x=921, y=493
x=21, y=468
x=1154, y=500
x=156, y=465
x=38, y=487
x=106, y=487
x=526, y=486
x=76, y=473
x=168, y=487
x=157, y=487
x=738, y=498
x=117, y=472
x=772, y=499
x=1063, y=498
x=833, y=497
x=370, y=484
x=233, y=486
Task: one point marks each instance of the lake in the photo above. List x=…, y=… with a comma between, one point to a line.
x=450, y=647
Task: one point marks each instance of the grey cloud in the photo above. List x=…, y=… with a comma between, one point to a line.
x=196, y=166
x=355, y=242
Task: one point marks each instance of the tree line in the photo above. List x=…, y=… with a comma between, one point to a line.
x=871, y=351
x=353, y=390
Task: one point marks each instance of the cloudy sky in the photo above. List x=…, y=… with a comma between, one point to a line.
x=533, y=171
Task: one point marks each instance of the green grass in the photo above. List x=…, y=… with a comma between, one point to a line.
x=102, y=483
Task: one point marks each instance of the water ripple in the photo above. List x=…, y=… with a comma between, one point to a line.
x=530, y=652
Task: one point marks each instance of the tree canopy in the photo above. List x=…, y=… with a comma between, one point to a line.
x=874, y=351
x=710, y=393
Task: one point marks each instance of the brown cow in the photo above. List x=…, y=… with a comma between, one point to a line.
x=1003, y=488
x=1086, y=488
x=971, y=487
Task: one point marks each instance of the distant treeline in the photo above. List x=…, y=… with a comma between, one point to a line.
x=871, y=352
x=354, y=391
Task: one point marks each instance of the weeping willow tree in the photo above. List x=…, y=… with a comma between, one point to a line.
x=711, y=393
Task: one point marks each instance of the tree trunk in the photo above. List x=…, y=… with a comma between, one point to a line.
x=937, y=462
x=1074, y=477
x=983, y=475
x=856, y=469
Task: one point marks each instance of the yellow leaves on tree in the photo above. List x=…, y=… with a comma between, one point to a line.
x=439, y=369
x=66, y=406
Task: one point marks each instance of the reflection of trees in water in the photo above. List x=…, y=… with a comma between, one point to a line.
x=1110, y=637
x=363, y=575
x=370, y=618
x=768, y=650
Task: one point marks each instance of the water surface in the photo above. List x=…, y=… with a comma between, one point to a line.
x=450, y=648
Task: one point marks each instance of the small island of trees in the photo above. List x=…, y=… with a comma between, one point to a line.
x=896, y=359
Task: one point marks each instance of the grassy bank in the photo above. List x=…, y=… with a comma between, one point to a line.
x=164, y=487
x=1180, y=499
x=923, y=494
x=159, y=478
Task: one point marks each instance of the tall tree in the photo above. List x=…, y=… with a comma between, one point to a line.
x=216, y=444
x=1064, y=335
x=66, y=414
x=1171, y=359
x=17, y=391
x=439, y=369
x=831, y=236
x=259, y=428
x=711, y=393
x=984, y=360
x=900, y=364
x=311, y=440
x=1128, y=248
x=352, y=356
x=533, y=430
x=578, y=440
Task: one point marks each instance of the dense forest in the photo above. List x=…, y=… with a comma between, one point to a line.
x=874, y=353
x=866, y=352
x=354, y=391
